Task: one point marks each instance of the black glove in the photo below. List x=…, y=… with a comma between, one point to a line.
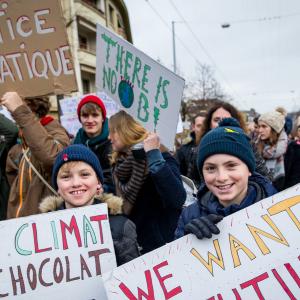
x=203, y=226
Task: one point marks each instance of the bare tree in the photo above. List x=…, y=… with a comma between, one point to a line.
x=204, y=86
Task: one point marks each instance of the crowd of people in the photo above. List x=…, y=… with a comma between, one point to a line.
x=118, y=162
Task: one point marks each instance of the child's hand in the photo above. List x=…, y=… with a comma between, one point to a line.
x=204, y=226
x=151, y=142
x=11, y=100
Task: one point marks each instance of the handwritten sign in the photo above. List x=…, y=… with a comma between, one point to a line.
x=65, y=251
x=35, y=57
x=256, y=256
x=69, y=117
x=145, y=89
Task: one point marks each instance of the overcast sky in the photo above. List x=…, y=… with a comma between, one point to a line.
x=256, y=59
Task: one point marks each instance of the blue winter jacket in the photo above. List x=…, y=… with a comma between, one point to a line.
x=159, y=202
x=259, y=187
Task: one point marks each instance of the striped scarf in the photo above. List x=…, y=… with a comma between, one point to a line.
x=129, y=175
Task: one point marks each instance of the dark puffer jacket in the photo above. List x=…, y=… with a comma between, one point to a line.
x=292, y=164
x=122, y=229
x=259, y=188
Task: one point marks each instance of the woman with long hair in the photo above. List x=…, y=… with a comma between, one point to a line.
x=272, y=144
x=147, y=177
x=219, y=111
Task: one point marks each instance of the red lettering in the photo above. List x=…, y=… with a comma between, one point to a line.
x=283, y=285
x=254, y=282
x=99, y=219
x=293, y=273
x=35, y=240
x=168, y=294
x=141, y=293
x=73, y=227
x=220, y=297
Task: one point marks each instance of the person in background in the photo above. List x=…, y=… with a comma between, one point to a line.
x=186, y=154
x=218, y=112
x=147, y=177
x=29, y=163
x=226, y=161
x=272, y=145
x=8, y=138
x=94, y=134
x=78, y=178
x=288, y=121
x=292, y=161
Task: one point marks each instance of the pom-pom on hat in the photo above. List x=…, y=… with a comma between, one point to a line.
x=76, y=152
x=227, y=138
x=94, y=99
x=274, y=119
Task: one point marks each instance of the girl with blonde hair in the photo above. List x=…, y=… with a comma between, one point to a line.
x=147, y=177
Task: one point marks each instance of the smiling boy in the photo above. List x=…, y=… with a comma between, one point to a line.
x=226, y=162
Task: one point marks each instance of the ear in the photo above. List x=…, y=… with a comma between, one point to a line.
x=99, y=189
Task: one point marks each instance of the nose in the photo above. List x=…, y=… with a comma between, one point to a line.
x=76, y=181
x=222, y=175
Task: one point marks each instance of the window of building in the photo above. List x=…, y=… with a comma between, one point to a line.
x=86, y=86
x=83, y=42
x=111, y=15
x=98, y=4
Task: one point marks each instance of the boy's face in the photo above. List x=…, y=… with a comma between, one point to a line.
x=77, y=184
x=226, y=176
x=92, y=122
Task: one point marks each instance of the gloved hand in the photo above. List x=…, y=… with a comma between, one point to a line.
x=204, y=226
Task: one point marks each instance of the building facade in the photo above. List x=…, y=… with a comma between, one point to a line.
x=81, y=17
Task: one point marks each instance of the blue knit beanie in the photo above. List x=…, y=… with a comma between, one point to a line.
x=227, y=138
x=76, y=153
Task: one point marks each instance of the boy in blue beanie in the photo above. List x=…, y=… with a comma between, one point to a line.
x=226, y=162
x=77, y=176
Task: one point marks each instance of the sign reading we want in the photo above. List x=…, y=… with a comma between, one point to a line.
x=35, y=57
x=56, y=255
x=256, y=256
x=146, y=90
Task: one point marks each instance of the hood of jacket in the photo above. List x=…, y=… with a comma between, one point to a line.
x=54, y=203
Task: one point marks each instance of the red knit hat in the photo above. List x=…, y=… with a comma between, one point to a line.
x=93, y=99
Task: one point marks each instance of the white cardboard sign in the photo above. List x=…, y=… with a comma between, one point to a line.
x=69, y=117
x=256, y=256
x=145, y=89
x=56, y=255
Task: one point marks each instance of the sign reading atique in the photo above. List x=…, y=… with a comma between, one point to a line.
x=35, y=57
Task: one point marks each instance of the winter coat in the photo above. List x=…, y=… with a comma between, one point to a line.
x=274, y=156
x=8, y=137
x=186, y=156
x=43, y=142
x=259, y=187
x=122, y=229
x=101, y=146
x=158, y=204
x=292, y=164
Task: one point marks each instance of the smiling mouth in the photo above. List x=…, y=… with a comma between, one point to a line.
x=79, y=192
x=224, y=187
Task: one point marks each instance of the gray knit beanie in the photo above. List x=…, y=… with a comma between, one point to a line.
x=274, y=119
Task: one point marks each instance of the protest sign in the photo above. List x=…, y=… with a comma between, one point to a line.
x=145, y=89
x=65, y=251
x=256, y=256
x=35, y=57
x=68, y=108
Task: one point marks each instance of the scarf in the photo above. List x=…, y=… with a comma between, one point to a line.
x=129, y=174
x=82, y=138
